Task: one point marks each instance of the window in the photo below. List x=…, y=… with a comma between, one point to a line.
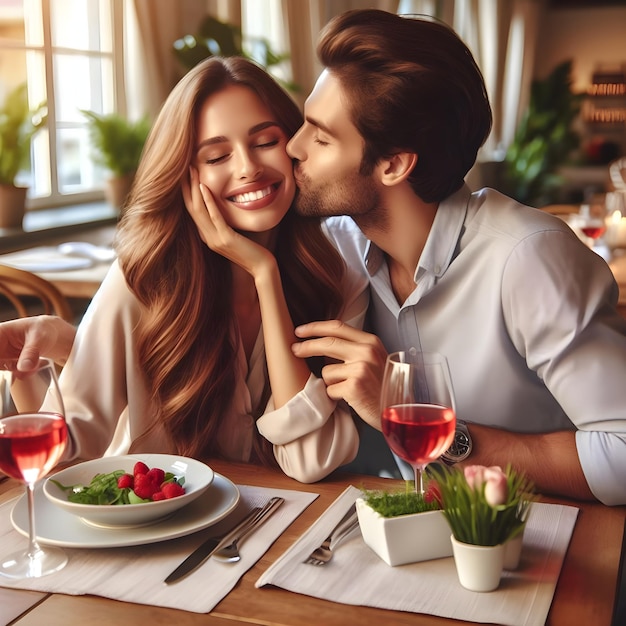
x=67, y=53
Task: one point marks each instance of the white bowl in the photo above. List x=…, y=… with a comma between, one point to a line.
x=198, y=477
x=406, y=538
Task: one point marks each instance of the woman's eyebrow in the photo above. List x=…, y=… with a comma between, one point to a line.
x=262, y=126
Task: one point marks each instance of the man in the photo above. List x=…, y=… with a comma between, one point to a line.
x=524, y=312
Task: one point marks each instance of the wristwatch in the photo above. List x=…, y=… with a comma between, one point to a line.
x=461, y=446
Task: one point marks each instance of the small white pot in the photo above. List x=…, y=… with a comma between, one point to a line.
x=513, y=552
x=406, y=538
x=479, y=567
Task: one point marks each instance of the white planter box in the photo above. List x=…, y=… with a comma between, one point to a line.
x=406, y=538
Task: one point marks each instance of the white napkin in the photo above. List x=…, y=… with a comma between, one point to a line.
x=136, y=574
x=357, y=576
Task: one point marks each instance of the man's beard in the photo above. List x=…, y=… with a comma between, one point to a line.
x=355, y=195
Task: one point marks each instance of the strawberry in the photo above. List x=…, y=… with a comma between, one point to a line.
x=156, y=475
x=125, y=481
x=144, y=487
x=172, y=490
x=140, y=468
x=159, y=495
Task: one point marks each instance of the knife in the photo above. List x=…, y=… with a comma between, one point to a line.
x=205, y=549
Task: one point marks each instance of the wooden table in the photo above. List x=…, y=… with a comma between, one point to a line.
x=585, y=593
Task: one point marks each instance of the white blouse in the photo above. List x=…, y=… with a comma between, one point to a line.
x=108, y=407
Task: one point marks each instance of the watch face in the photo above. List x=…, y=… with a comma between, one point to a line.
x=460, y=447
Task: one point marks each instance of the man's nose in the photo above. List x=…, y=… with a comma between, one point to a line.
x=294, y=148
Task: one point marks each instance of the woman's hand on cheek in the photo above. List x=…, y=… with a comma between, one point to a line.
x=203, y=214
x=214, y=230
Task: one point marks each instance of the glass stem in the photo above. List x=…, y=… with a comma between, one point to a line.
x=419, y=480
x=33, y=546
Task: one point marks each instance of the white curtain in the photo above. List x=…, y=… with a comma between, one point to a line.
x=502, y=36
x=151, y=69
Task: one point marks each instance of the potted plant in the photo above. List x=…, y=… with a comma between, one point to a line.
x=118, y=144
x=404, y=527
x=486, y=509
x=544, y=139
x=215, y=38
x=18, y=124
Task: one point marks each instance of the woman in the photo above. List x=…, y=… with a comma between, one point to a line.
x=187, y=343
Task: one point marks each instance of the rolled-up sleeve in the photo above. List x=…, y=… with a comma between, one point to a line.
x=312, y=434
x=560, y=311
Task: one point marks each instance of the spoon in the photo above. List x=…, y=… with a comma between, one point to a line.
x=230, y=552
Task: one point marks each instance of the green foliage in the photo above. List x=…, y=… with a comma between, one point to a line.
x=544, y=139
x=118, y=142
x=473, y=520
x=18, y=124
x=392, y=504
x=216, y=38
x=103, y=489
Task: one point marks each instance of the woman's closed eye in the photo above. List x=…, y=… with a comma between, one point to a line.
x=214, y=160
x=267, y=144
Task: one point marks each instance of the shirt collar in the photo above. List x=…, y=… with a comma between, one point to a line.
x=441, y=242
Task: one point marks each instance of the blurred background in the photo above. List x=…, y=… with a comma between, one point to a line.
x=94, y=73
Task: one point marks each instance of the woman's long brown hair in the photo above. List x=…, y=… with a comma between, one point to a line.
x=185, y=341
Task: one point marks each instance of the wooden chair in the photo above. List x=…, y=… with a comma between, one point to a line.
x=17, y=284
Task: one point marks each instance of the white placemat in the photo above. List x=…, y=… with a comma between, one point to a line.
x=136, y=574
x=357, y=576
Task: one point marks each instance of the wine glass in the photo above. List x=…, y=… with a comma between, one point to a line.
x=33, y=434
x=417, y=408
x=592, y=222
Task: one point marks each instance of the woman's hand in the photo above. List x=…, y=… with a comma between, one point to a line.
x=217, y=234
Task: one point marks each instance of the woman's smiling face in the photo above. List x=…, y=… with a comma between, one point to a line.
x=241, y=158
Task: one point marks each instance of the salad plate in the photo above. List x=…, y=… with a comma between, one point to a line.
x=60, y=528
x=196, y=478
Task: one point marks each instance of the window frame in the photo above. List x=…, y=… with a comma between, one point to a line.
x=115, y=57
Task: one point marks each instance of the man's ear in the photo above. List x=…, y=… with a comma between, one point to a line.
x=396, y=168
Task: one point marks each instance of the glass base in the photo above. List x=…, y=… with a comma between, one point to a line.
x=41, y=563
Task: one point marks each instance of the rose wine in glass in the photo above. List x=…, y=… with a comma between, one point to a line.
x=417, y=408
x=33, y=434
x=592, y=222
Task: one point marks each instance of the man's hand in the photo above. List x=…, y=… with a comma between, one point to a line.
x=357, y=371
x=23, y=341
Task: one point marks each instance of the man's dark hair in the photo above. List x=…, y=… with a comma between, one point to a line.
x=414, y=86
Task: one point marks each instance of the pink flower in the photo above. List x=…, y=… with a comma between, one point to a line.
x=494, y=479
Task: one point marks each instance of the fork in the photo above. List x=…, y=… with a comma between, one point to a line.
x=324, y=553
x=229, y=553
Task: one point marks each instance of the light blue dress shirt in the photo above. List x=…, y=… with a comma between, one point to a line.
x=525, y=314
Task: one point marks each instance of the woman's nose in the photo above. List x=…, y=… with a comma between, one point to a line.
x=247, y=166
